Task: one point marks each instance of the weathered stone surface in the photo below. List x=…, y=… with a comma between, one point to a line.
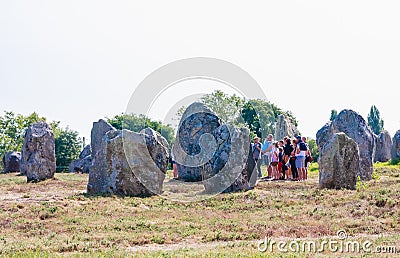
x=99, y=129
x=38, y=153
x=87, y=151
x=339, y=163
x=157, y=146
x=227, y=168
x=213, y=153
x=383, y=147
x=396, y=146
x=12, y=162
x=84, y=162
x=355, y=127
x=81, y=165
x=129, y=164
x=284, y=127
x=323, y=135
x=196, y=122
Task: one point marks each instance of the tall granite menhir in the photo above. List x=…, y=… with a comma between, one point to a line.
x=214, y=153
x=284, y=127
x=395, y=152
x=339, y=163
x=38, y=153
x=198, y=120
x=383, y=147
x=127, y=163
x=355, y=127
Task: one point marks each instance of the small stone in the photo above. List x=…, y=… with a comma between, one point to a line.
x=12, y=162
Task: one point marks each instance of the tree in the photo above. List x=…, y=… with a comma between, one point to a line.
x=375, y=121
x=258, y=115
x=251, y=119
x=12, y=130
x=333, y=114
x=312, y=144
x=136, y=123
x=267, y=113
x=68, y=145
x=227, y=108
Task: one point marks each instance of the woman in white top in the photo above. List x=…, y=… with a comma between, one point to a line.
x=275, y=161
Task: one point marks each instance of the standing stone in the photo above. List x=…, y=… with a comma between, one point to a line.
x=129, y=164
x=213, y=153
x=84, y=162
x=38, y=153
x=227, y=171
x=339, y=163
x=196, y=122
x=99, y=129
x=383, y=147
x=396, y=147
x=355, y=127
x=98, y=132
x=12, y=162
x=87, y=151
x=323, y=135
x=284, y=127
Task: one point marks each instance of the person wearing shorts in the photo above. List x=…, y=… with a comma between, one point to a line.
x=275, y=161
x=301, y=151
x=287, y=151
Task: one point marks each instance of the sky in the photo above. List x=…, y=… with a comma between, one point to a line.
x=79, y=61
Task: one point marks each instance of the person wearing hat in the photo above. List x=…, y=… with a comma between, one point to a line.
x=256, y=149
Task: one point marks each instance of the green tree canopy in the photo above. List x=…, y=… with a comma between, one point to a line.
x=267, y=114
x=228, y=108
x=136, y=123
x=251, y=118
x=312, y=144
x=68, y=145
x=258, y=115
x=12, y=131
x=375, y=121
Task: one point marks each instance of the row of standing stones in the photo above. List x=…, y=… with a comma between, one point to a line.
x=348, y=149
x=134, y=164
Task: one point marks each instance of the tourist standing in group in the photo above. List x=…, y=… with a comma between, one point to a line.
x=266, y=152
x=274, y=162
x=292, y=161
x=287, y=151
x=308, y=156
x=174, y=166
x=256, y=149
x=280, y=163
x=301, y=150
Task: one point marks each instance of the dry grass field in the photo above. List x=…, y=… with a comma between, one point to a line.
x=56, y=217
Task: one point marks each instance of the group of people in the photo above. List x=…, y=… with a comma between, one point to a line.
x=286, y=159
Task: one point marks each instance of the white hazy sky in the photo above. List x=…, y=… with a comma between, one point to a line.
x=78, y=61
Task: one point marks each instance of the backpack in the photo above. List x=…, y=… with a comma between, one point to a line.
x=303, y=146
